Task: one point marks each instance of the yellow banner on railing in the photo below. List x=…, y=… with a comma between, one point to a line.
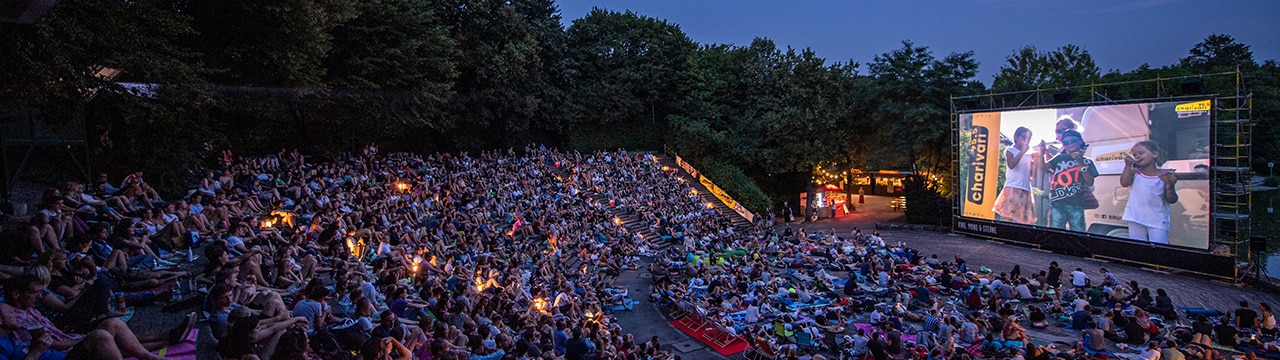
x=715, y=190
x=726, y=199
x=719, y=193
x=688, y=168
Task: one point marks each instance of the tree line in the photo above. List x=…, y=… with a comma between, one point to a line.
x=448, y=75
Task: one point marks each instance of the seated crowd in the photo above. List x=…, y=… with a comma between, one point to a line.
x=402, y=256
x=510, y=255
x=808, y=295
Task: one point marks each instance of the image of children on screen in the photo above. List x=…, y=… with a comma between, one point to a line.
x=1015, y=201
x=1071, y=179
x=1151, y=191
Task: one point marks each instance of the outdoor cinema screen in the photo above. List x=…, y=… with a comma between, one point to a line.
x=1134, y=172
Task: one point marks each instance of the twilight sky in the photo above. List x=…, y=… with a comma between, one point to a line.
x=1120, y=34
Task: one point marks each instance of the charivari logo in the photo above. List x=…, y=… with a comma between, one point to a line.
x=978, y=142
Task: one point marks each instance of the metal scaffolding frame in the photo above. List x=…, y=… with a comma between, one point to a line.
x=1231, y=132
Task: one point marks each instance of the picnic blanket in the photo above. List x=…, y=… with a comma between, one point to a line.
x=185, y=350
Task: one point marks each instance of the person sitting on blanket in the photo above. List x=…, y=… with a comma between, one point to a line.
x=19, y=308
x=73, y=313
x=248, y=338
x=878, y=317
x=829, y=320
x=1135, y=334
x=1034, y=352
x=1037, y=318
x=1094, y=337
x=131, y=272
x=1152, y=351
x=221, y=301
x=1110, y=328
x=97, y=344
x=1170, y=351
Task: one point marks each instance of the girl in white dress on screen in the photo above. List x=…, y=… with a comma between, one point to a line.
x=1014, y=202
x=1151, y=192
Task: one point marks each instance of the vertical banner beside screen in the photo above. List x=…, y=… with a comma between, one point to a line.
x=983, y=167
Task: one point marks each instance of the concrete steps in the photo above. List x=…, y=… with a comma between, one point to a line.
x=739, y=222
x=631, y=222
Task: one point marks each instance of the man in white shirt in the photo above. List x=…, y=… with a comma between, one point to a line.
x=1079, y=278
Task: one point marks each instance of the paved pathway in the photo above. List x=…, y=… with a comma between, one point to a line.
x=646, y=320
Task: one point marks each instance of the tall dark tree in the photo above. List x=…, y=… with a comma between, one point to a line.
x=807, y=132
x=733, y=94
x=627, y=72
x=501, y=70
x=53, y=66
x=54, y=71
x=266, y=43
x=1219, y=52
x=1264, y=83
x=547, y=89
x=1029, y=69
x=912, y=108
x=912, y=95
x=390, y=70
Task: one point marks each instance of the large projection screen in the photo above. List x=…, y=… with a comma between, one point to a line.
x=1046, y=189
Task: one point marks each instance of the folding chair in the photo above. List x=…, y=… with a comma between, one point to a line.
x=762, y=351
x=719, y=337
x=780, y=329
x=803, y=339
x=693, y=321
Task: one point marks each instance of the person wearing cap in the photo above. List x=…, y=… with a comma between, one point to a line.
x=1072, y=175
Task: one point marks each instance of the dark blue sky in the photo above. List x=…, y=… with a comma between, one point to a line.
x=1120, y=34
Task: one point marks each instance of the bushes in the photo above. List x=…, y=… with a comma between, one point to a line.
x=735, y=183
x=925, y=204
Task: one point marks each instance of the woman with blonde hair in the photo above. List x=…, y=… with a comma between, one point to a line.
x=77, y=313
